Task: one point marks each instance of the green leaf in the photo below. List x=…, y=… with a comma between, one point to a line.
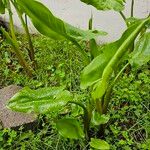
x=93, y=72
x=43, y=19
x=141, y=53
x=99, y=144
x=117, y=5
x=98, y=119
x=2, y=7
x=132, y=20
x=94, y=50
x=99, y=89
x=51, y=26
x=101, y=68
x=69, y=128
x=82, y=35
x=43, y=100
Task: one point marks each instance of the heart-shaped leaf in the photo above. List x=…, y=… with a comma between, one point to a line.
x=43, y=100
x=69, y=128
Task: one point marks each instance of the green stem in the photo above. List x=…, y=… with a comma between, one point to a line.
x=132, y=8
x=99, y=106
x=107, y=99
x=14, y=42
x=18, y=53
x=11, y=22
x=31, y=49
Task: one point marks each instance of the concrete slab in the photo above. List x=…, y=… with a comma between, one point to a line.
x=8, y=118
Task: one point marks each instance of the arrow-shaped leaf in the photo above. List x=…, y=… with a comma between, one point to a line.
x=70, y=128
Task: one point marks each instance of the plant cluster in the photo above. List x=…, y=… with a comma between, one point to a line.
x=105, y=65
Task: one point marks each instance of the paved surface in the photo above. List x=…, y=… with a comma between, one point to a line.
x=8, y=118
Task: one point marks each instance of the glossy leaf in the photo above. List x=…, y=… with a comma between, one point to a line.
x=117, y=5
x=43, y=100
x=98, y=119
x=141, y=53
x=69, y=128
x=51, y=26
x=99, y=144
x=101, y=68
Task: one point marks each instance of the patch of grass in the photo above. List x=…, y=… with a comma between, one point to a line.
x=130, y=112
x=58, y=64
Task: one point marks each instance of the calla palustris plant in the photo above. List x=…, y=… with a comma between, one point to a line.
x=98, y=75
